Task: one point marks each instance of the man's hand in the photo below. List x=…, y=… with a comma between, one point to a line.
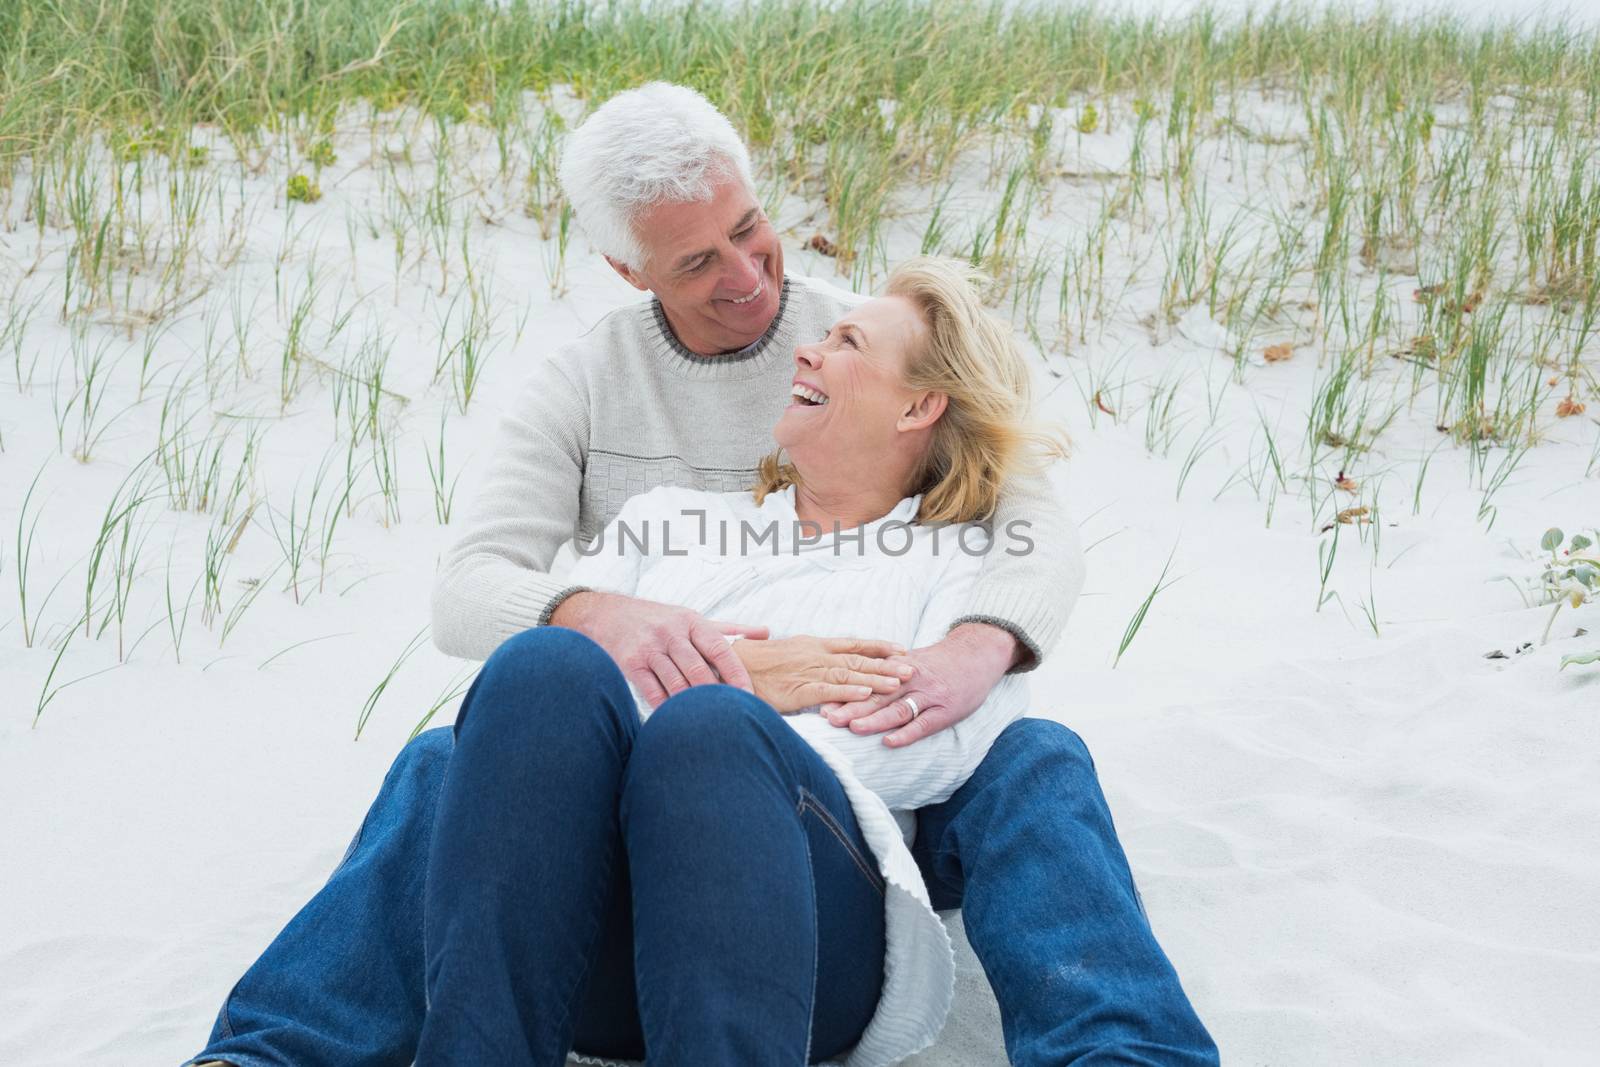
x=791, y=673
x=662, y=649
x=952, y=679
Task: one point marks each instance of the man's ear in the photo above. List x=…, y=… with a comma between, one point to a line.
x=629, y=275
x=923, y=411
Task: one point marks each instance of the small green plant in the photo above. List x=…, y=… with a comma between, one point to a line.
x=1570, y=576
x=1088, y=119
x=1327, y=552
x=303, y=189
x=26, y=530
x=1137, y=621
x=47, y=693
x=444, y=489
x=454, y=688
x=383, y=683
x=1369, y=608
x=322, y=155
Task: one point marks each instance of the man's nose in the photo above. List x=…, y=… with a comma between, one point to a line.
x=747, y=273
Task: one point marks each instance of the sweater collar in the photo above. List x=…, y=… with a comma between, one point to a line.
x=744, y=363
x=780, y=506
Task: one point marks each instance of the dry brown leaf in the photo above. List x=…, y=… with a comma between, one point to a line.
x=1569, y=407
x=1428, y=293
x=1419, y=347
x=1278, y=353
x=1346, y=483
x=1554, y=380
x=1356, y=514
x=1101, y=404
x=819, y=243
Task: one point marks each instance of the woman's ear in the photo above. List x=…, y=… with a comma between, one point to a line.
x=922, y=411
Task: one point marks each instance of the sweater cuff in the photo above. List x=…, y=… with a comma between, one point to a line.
x=555, y=601
x=531, y=602
x=1030, y=619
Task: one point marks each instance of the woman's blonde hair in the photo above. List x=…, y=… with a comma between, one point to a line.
x=985, y=434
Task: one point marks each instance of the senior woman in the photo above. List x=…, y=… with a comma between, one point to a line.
x=716, y=883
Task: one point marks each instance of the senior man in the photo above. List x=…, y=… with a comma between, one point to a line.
x=684, y=389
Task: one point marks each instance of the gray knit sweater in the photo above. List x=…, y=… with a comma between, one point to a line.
x=625, y=408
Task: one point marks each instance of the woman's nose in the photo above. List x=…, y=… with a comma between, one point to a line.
x=807, y=356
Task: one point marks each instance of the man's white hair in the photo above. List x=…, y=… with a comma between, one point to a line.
x=659, y=143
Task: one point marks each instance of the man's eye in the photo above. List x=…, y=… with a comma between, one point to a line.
x=699, y=266
x=742, y=234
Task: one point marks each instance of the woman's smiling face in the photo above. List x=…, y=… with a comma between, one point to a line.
x=849, y=390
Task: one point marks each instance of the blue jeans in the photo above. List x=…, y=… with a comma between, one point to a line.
x=1026, y=847
x=695, y=889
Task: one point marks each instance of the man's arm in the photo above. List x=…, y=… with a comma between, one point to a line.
x=495, y=582
x=930, y=771
x=987, y=700
x=1030, y=579
x=1013, y=611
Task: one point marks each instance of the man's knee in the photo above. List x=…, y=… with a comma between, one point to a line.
x=427, y=754
x=1040, y=753
x=419, y=767
x=1046, y=739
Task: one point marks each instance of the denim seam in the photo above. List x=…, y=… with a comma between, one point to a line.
x=810, y=800
x=350, y=850
x=227, y=1017
x=569, y=1014
x=816, y=945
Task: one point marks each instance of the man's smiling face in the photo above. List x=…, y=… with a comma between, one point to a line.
x=716, y=266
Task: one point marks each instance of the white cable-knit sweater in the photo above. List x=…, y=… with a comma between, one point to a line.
x=906, y=586
x=625, y=408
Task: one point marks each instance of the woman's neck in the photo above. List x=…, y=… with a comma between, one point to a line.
x=846, y=506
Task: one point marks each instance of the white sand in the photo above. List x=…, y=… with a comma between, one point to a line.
x=1356, y=849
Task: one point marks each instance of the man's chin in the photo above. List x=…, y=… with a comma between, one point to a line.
x=750, y=320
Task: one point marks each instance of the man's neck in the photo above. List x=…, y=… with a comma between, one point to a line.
x=708, y=348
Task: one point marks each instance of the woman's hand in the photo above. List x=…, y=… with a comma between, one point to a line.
x=791, y=673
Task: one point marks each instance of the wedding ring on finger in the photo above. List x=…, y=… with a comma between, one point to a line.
x=911, y=702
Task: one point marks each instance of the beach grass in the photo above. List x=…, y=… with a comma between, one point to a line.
x=1410, y=204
